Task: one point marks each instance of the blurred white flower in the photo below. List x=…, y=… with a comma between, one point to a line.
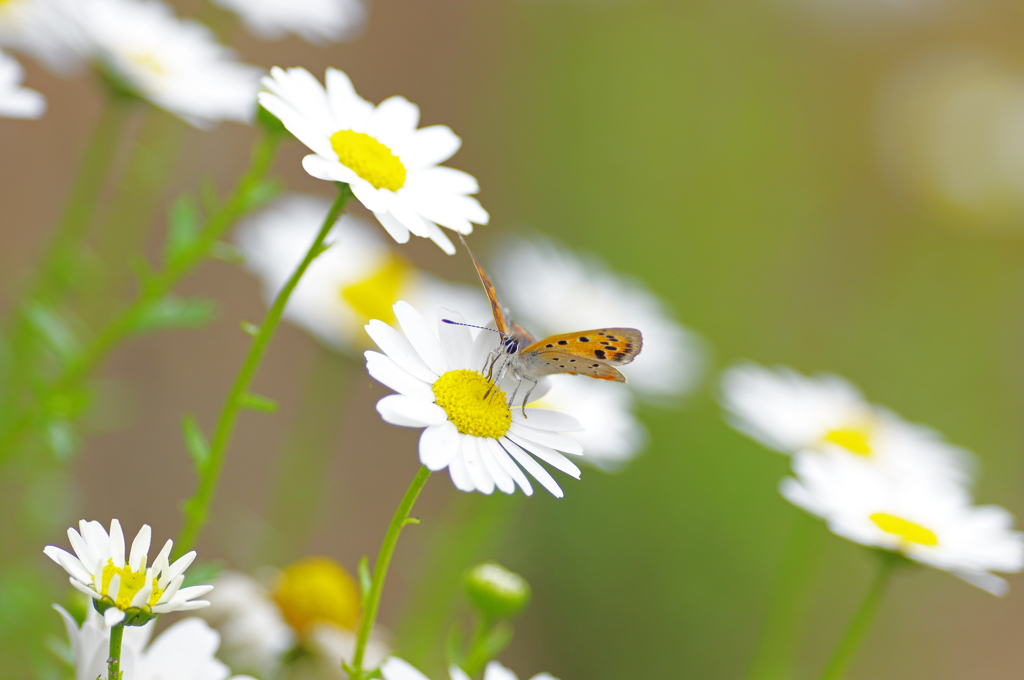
x=612, y=435
x=357, y=279
x=185, y=651
x=951, y=133
x=933, y=524
x=551, y=290
x=312, y=604
x=17, y=101
x=789, y=412
x=316, y=21
x=176, y=64
x=441, y=390
x=126, y=589
x=43, y=29
x=398, y=669
x=391, y=166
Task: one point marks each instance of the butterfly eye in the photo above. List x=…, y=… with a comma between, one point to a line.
x=511, y=345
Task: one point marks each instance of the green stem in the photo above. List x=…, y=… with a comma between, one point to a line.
x=380, y=570
x=858, y=628
x=114, y=660
x=773, y=659
x=151, y=291
x=197, y=507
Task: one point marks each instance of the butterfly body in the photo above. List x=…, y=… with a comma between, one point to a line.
x=594, y=353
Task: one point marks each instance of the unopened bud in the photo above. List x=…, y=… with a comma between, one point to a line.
x=497, y=592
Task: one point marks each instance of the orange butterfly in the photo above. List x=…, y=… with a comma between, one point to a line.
x=594, y=353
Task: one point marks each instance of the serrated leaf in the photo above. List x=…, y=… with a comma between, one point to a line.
x=257, y=402
x=183, y=221
x=363, y=572
x=261, y=193
x=195, y=441
x=174, y=312
x=60, y=439
x=55, y=332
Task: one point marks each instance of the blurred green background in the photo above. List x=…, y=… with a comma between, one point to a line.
x=829, y=185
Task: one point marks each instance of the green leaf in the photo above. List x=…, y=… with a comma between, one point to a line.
x=174, y=312
x=55, y=332
x=250, y=328
x=142, y=269
x=363, y=572
x=261, y=193
x=227, y=252
x=258, y=402
x=60, y=439
x=183, y=220
x=195, y=441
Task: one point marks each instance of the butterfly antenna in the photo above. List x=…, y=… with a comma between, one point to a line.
x=469, y=325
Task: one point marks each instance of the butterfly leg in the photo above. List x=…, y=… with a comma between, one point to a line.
x=497, y=380
x=526, y=399
x=519, y=382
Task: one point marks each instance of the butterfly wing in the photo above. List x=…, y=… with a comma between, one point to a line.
x=492, y=298
x=592, y=353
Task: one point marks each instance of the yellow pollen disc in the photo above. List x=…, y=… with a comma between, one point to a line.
x=317, y=590
x=910, y=532
x=461, y=395
x=853, y=439
x=374, y=296
x=369, y=159
x=131, y=583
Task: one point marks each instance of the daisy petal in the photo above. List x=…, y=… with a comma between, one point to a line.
x=548, y=455
x=501, y=455
x=475, y=465
x=395, y=229
x=421, y=337
x=394, y=668
x=405, y=412
x=459, y=474
x=384, y=370
x=533, y=467
x=552, y=439
x=400, y=350
x=438, y=445
x=113, y=616
x=502, y=479
x=140, y=548
x=116, y=543
x=430, y=146
x=546, y=419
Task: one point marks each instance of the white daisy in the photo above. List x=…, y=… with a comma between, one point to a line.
x=789, y=412
x=933, y=524
x=44, y=29
x=592, y=296
x=391, y=166
x=176, y=64
x=17, y=101
x=357, y=279
x=612, y=435
x=397, y=669
x=184, y=650
x=312, y=604
x=316, y=21
x=440, y=388
x=126, y=590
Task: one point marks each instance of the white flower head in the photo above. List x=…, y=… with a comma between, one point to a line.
x=356, y=280
x=592, y=296
x=17, y=101
x=790, y=412
x=184, y=650
x=440, y=388
x=315, y=21
x=612, y=435
x=176, y=64
x=390, y=165
x=44, y=29
x=398, y=669
x=123, y=587
x=933, y=524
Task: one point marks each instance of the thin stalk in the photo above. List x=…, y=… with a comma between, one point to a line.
x=122, y=324
x=198, y=506
x=858, y=628
x=380, y=569
x=114, y=660
x=773, y=659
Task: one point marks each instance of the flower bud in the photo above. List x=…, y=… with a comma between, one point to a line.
x=497, y=592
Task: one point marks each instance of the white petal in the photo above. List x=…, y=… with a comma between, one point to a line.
x=82, y=588
x=395, y=229
x=430, y=146
x=329, y=169
x=401, y=351
x=395, y=119
x=438, y=445
x=533, y=467
x=114, y=587
x=384, y=370
x=145, y=592
x=172, y=589
x=548, y=455
x=140, y=548
x=984, y=580
x=113, y=616
x=552, y=439
x=69, y=562
x=421, y=337
x=500, y=455
x=459, y=474
x=546, y=419
x=405, y=412
x=82, y=548
x=180, y=565
x=435, y=234
x=502, y=479
x=349, y=108
x=394, y=668
x=116, y=543
x=161, y=564
x=456, y=340
x=475, y=465
x=404, y=212
x=373, y=199
x=495, y=671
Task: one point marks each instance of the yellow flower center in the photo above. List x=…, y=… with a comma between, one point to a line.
x=855, y=439
x=910, y=532
x=131, y=583
x=317, y=590
x=461, y=395
x=374, y=296
x=369, y=159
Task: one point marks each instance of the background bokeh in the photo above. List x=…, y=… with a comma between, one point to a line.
x=828, y=185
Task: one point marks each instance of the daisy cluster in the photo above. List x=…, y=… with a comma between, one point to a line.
x=873, y=477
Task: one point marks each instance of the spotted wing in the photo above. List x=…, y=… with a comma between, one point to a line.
x=496, y=311
x=593, y=353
